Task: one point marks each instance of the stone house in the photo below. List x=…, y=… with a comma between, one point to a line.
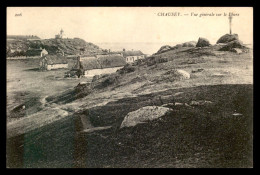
x=50, y=62
x=131, y=56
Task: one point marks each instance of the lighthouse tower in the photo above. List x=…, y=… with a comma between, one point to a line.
x=61, y=33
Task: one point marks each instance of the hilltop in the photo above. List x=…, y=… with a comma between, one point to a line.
x=22, y=37
x=68, y=46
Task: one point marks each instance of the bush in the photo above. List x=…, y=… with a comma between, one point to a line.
x=109, y=81
x=95, y=78
x=151, y=61
x=126, y=69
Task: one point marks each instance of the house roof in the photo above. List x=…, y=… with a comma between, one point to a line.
x=91, y=63
x=102, y=62
x=132, y=53
x=55, y=59
x=112, y=61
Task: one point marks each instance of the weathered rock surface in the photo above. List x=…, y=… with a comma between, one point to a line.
x=189, y=44
x=203, y=42
x=199, y=103
x=238, y=51
x=164, y=48
x=233, y=44
x=183, y=73
x=144, y=114
x=227, y=38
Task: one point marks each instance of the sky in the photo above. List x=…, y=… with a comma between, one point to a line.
x=130, y=24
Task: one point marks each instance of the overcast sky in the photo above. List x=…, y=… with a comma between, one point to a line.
x=129, y=24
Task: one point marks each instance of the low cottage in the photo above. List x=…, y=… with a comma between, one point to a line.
x=92, y=62
x=91, y=65
x=50, y=62
x=131, y=56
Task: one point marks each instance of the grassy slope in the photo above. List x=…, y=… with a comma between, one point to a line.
x=207, y=136
x=218, y=68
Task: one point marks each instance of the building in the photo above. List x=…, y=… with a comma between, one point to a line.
x=50, y=62
x=89, y=62
x=109, y=54
x=36, y=52
x=102, y=64
x=60, y=35
x=131, y=56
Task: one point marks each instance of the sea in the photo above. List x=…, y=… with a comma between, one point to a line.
x=148, y=48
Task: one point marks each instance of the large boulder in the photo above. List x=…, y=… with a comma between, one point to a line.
x=227, y=38
x=231, y=45
x=128, y=68
x=164, y=48
x=189, y=44
x=144, y=114
x=176, y=75
x=183, y=74
x=203, y=42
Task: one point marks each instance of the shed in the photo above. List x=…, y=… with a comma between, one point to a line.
x=50, y=62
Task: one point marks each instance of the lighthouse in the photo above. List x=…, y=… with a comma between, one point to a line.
x=61, y=33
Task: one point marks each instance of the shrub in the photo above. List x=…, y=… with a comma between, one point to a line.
x=126, y=69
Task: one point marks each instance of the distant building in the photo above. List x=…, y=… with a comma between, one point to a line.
x=131, y=56
x=36, y=52
x=50, y=62
x=60, y=35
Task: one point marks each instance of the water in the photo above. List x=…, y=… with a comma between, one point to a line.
x=146, y=47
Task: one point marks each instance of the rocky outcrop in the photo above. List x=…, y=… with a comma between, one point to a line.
x=189, y=44
x=144, y=114
x=183, y=74
x=203, y=42
x=232, y=45
x=174, y=75
x=70, y=46
x=164, y=48
x=227, y=38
